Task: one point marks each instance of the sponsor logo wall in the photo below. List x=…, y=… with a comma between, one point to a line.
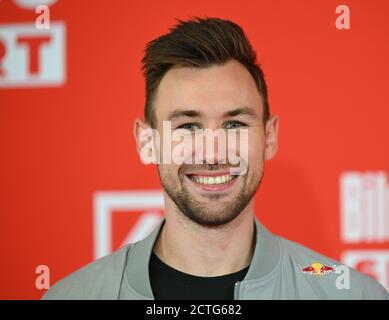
x=72, y=186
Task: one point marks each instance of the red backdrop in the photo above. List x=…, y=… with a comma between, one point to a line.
x=67, y=148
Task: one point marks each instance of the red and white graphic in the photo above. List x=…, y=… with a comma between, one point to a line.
x=149, y=203
x=375, y=263
x=364, y=206
x=31, y=57
x=69, y=96
x=32, y=4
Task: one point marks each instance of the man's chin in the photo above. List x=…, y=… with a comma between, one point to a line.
x=210, y=220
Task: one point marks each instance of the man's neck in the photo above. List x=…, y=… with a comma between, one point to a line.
x=203, y=251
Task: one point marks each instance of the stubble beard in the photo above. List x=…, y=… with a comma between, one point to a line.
x=215, y=212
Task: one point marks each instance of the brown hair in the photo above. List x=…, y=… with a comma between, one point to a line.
x=199, y=43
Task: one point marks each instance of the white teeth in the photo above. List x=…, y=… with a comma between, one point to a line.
x=212, y=180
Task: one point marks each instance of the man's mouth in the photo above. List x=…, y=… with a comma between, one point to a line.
x=212, y=181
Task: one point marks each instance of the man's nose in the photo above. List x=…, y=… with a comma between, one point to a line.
x=214, y=146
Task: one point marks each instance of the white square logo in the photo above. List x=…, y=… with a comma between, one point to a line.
x=31, y=57
x=371, y=262
x=150, y=203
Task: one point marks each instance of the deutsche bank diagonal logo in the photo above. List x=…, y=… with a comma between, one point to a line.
x=109, y=203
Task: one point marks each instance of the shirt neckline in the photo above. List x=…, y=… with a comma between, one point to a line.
x=176, y=272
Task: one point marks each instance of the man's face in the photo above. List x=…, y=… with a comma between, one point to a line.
x=218, y=97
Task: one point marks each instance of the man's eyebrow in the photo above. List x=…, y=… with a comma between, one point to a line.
x=194, y=113
x=183, y=113
x=240, y=111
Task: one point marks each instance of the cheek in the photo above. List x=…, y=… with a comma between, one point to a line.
x=172, y=174
x=170, y=169
x=256, y=153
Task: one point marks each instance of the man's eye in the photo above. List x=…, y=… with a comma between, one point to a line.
x=190, y=126
x=234, y=124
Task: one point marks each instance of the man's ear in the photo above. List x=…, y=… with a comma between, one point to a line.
x=144, y=137
x=271, y=137
x=139, y=127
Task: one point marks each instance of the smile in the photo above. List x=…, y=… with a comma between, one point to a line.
x=212, y=180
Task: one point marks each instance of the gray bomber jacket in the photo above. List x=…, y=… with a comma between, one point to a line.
x=275, y=273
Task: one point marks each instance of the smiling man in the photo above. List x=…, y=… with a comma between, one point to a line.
x=203, y=77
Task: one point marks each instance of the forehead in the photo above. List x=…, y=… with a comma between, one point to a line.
x=212, y=90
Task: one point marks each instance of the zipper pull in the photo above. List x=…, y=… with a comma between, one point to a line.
x=236, y=290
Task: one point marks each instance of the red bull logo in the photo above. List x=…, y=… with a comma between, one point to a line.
x=318, y=269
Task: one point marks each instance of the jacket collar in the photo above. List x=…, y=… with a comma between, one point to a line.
x=265, y=259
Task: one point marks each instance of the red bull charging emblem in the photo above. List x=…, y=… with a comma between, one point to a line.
x=318, y=269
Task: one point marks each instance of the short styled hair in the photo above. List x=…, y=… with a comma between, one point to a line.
x=201, y=43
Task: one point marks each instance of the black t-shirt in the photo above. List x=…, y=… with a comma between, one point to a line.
x=169, y=283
